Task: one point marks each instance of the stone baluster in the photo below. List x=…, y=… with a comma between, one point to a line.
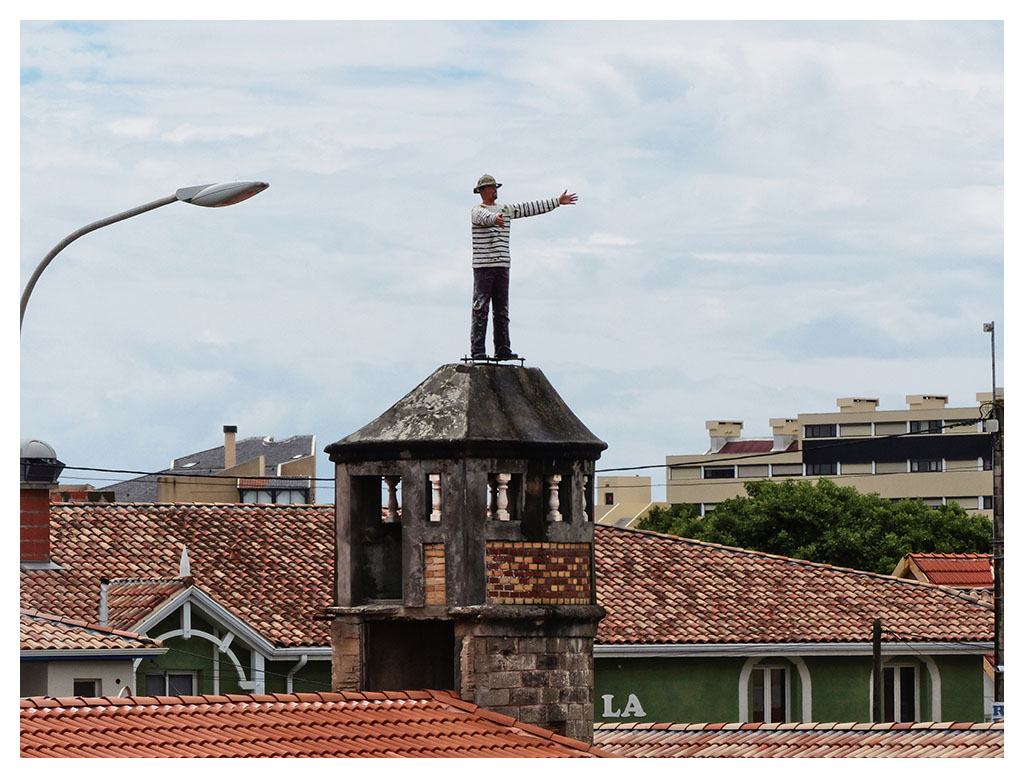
x=501, y=503
x=553, y=512
x=435, y=496
x=392, y=481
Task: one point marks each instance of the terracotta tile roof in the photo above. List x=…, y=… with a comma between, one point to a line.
x=966, y=571
x=47, y=632
x=746, y=447
x=921, y=740
x=272, y=565
x=129, y=601
x=753, y=446
x=366, y=724
x=663, y=589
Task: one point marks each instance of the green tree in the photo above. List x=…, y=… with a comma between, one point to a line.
x=824, y=522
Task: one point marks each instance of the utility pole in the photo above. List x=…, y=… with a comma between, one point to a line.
x=996, y=426
x=876, y=671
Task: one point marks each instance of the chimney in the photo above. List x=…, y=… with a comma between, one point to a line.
x=857, y=404
x=229, y=446
x=722, y=432
x=920, y=402
x=784, y=432
x=40, y=469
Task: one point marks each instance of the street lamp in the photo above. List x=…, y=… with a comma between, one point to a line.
x=206, y=195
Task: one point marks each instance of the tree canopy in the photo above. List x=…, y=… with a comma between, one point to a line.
x=823, y=522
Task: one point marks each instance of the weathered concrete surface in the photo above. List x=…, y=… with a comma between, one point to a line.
x=503, y=410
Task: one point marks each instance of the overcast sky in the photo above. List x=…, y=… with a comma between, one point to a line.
x=771, y=216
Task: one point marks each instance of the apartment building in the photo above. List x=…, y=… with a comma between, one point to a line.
x=927, y=450
x=623, y=500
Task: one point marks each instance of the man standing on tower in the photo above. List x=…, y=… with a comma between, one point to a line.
x=491, y=261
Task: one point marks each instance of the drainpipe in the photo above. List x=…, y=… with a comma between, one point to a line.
x=291, y=673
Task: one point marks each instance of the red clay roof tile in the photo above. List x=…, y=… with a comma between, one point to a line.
x=656, y=588
x=663, y=589
x=363, y=725
x=924, y=739
x=48, y=632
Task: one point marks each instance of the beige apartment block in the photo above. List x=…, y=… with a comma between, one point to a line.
x=927, y=450
x=623, y=500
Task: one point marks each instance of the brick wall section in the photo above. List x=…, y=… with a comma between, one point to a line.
x=433, y=573
x=35, y=525
x=520, y=573
x=546, y=680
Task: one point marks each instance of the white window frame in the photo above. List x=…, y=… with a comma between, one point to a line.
x=896, y=667
x=165, y=674
x=767, y=700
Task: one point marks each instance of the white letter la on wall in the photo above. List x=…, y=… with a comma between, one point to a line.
x=633, y=707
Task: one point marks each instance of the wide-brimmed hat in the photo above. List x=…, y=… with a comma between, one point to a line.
x=485, y=180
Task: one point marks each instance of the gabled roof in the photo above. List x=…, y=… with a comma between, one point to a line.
x=130, y=601
x=272, y=565
x=964, y=571
x=920, y=740
x=211, y=461
x=45, y=632
x=663, y=589
x=347, y=724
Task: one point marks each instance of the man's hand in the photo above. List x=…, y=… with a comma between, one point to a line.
x=501, y=221
x=567, y=199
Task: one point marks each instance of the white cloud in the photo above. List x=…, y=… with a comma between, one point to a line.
x=746, y=190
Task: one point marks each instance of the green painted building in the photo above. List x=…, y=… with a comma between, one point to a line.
x=698, y=632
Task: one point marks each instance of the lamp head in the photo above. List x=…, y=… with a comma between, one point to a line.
x=219, y=195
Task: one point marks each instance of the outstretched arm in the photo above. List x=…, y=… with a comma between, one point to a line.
x=567, y=199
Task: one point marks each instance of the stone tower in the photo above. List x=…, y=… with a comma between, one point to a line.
x=465, y=547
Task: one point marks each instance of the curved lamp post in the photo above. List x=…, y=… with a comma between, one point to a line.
x=207, y=195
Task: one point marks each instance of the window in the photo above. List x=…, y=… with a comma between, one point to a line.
x=768, y=697
x=819, y=430
x=720, y=472
x=932, y=426
x=787, y=470
x=986, y=502
x=85, y=687
x=609, y=498
x=275, y=496
x=926, y=466
x=899, y=685
x=823, y=468
x=172, y=684
x=986, y=463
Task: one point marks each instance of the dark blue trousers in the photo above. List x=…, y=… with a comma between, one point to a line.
x=490, y=288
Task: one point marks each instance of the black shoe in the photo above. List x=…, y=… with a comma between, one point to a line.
x=478, y=356
x=506, y=354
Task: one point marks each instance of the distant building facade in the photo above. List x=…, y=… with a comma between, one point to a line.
x=623, y=500
x=253, y=470
x=928, y=450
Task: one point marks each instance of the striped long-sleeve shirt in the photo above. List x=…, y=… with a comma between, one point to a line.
x=490, y=242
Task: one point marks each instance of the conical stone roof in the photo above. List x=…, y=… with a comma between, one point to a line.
x=474, y=410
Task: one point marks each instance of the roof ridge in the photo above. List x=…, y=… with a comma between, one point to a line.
x=620, y=726
x=952, y=591
x=216, y=699
x=35, y=613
